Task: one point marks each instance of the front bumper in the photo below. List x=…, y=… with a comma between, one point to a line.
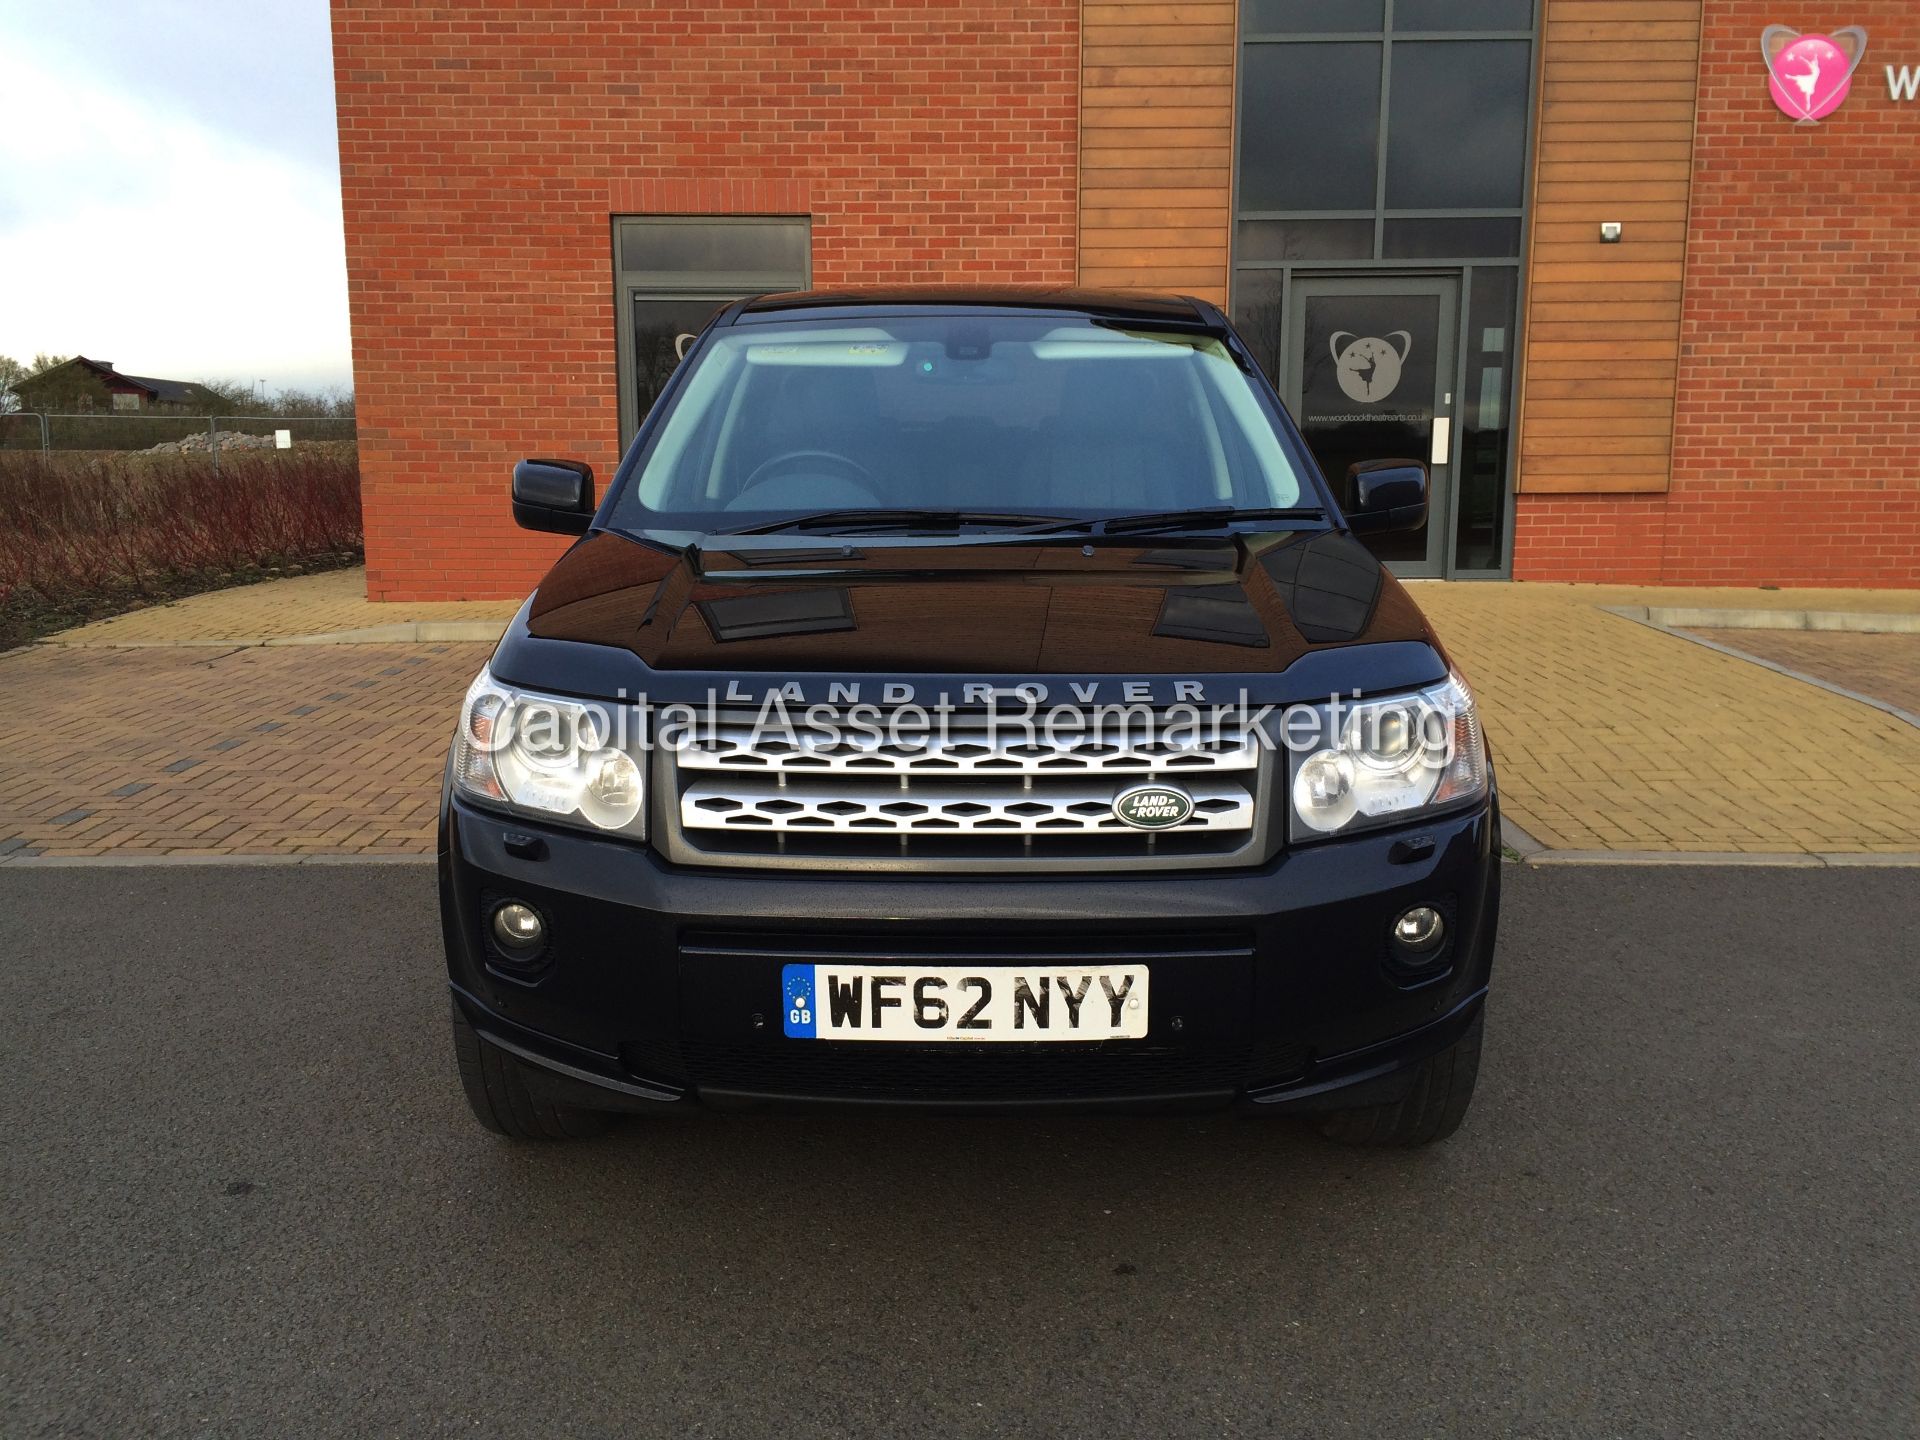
x=1274, y=987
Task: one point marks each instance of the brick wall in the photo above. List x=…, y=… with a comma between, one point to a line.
x=485, y=147
x=1796, y=456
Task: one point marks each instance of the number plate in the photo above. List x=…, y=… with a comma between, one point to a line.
x=900, y=1003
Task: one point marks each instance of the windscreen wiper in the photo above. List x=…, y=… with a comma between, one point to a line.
x=1204, y=517
x=850, y=521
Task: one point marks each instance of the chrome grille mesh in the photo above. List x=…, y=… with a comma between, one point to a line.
x=972, y=796
x=757, y=802
x=732, y=746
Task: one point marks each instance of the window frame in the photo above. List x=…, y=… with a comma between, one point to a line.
x=1386, y=37
x=719, y=286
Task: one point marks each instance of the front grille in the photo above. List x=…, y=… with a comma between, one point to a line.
x=969, y=750
x=978, y=794
x=769, y=802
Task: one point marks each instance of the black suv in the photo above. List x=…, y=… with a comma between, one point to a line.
x=969, y=699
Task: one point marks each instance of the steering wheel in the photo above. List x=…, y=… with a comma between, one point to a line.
x=847, y=471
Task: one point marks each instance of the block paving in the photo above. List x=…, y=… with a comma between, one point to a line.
x=325, y=750
x=1611, y=735
x=331, y=602
x=1886, y=667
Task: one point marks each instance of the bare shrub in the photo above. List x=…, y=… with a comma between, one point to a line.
x=74, y=525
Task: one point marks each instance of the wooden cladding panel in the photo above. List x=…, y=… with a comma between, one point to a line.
x=1156, y=145
x=1615, y=142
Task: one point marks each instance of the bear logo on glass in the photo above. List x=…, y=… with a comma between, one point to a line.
x=1811, y=74
x=1368, y=367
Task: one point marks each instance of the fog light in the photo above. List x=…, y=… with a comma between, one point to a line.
x=1420, y=929
x=518, y=928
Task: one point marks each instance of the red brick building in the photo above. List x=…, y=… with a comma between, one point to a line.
x=538, y=197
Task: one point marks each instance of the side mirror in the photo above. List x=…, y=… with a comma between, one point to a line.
x=1386, y=495
x=553, y=495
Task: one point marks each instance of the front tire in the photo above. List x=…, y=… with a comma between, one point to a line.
x=1432, y=1108
x=502, y=1101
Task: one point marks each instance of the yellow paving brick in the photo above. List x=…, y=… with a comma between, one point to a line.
x=276, y=609
x=1768, y=762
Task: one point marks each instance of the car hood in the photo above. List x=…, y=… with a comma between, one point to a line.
x=1244, y=603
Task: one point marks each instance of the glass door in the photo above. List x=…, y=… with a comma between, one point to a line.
x=1370, y=376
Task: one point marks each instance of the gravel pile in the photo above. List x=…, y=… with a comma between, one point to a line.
x=200, y=443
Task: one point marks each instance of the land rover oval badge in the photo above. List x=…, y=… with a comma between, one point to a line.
x=1153, y=807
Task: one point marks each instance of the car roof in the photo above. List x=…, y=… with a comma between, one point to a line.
x=945, y=299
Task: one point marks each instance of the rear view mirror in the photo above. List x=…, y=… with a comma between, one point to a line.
x=553, y=495
x=1385, y=495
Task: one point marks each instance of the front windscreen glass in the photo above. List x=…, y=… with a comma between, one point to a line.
x=1029, y=415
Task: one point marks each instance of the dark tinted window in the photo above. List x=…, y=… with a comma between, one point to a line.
x=1369, y=370
x=1256, y=315
x=672, y=272
x=656, y=325
x=1485, y=409
x=1463, y=14
x=1456, y=124
x=1322, y=16
x=1309, y=127
x=1442, y=239
x=1305, y=240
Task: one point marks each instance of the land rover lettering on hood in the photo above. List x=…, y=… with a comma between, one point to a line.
x=969, y=699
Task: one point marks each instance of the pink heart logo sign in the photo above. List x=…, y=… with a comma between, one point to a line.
x=1811, y=74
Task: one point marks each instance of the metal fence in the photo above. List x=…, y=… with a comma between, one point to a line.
x=170, y=434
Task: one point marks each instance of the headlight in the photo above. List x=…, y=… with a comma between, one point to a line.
x=1382, y=761
x=568, y=760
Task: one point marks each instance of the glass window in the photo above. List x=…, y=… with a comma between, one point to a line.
x=672, y=273
x=1437, y=238
x=1277, y=17
x=747, y=247
x=1305, y=240
x=1369, y=375
x=1047, y=415
x=1463, y=14
x=1485, y=409
x=1456, y=124
x=658, y=323
x=1310, y=126
x=1257, y=316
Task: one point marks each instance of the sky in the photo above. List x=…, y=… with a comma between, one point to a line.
x=170, y=190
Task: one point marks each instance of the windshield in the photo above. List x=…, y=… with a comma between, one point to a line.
x=1042, y=416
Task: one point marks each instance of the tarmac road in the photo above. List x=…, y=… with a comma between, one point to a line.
x=243, y=1196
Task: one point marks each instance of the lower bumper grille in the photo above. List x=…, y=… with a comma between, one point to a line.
x=1201, y=1043
x=949, y=1073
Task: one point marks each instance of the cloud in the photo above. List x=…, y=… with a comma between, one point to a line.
x=132, y=231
